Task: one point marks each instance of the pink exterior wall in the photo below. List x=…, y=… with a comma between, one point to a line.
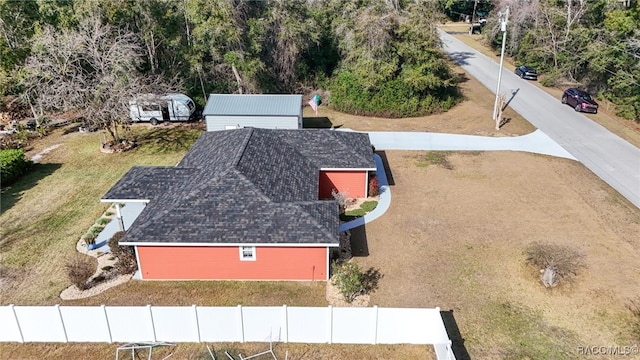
x=352, y=182
x=223, y=263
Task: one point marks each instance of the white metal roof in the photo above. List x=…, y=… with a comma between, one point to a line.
x=253, y=104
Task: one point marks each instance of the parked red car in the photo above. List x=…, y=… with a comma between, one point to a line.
x=580, y=100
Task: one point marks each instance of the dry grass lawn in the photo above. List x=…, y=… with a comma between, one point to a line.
x=453, y=238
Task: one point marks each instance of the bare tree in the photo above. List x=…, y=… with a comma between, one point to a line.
x=93, y=71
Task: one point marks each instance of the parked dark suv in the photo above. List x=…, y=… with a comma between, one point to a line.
x=526, y=72
x=579, y=100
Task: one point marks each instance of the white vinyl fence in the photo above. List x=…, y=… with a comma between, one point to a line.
x=371, y=325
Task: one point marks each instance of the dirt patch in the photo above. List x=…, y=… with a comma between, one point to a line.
x=455, y=238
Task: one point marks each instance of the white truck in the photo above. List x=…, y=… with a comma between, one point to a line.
x=159, y=108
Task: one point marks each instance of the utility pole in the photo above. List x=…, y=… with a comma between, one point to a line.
x=473, y=16
x=504, y=18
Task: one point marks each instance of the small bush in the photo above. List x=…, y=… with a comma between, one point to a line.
x=126, y=263
x=108, y=213
x=79, y=269
x=102, y=221
x=374, y=186
x=561, y=261
x=96, y=229
x=13, y=164
x=113, y=243
x=89, y=238
x=349, y=280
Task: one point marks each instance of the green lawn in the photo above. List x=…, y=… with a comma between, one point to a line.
x=45, y=213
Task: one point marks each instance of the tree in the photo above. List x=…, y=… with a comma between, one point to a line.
x=288, y=33
x=93, y=70
x=391, y=65
x=225, y=35
x=16, y=27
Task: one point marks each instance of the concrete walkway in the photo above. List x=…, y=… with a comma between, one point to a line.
x=536, y=142
x=383, y=202
x=129, y=213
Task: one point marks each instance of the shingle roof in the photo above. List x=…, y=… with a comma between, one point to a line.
x=253, y=104
x=243, y=186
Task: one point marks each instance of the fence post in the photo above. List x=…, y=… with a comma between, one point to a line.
x=286, y=324
x=375, y=325
x=241, y=323
x=15, y=316
x=330, y=324
x=106, y=318
x=153, y=326
x=64, y=329
x=195, y=313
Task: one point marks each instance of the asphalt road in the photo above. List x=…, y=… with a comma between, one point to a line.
x=610, y=157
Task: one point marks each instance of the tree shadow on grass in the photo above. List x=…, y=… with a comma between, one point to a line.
x=167, y=140
x=370, y=279
x=12, y=193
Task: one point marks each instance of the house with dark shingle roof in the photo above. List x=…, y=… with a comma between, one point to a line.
x=246, y=204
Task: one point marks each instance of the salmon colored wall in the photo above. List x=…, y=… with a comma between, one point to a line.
x=223, y=263
x=353, y=182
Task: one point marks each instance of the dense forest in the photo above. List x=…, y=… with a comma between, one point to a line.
x=374, y=57
x=369, y=57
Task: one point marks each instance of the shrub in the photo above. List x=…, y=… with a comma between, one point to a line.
x=351, y=281
x=79, y=269
x=96, y=230
x=126, y=263
x=113, y=243
x=89, y=238
x=348, y=278
x=557, y=261
x=13, y=164
x=102, y=221
x=374, y=186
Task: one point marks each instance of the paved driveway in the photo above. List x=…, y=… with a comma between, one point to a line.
x=611, y=158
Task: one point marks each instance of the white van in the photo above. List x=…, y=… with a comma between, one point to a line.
x=159, y=108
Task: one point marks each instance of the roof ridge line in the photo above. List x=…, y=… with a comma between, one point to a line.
x=243, y=147
x=342, y=141
x=315, y=221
